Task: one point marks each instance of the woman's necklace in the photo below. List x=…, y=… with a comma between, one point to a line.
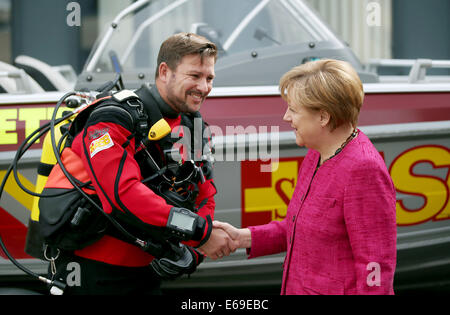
x=353, y=135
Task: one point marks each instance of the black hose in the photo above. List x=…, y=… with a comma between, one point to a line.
x=15, y=262
x=20, y=152
x=26, y=144
x=72, y=180
x=24, y=147
x=2, y=244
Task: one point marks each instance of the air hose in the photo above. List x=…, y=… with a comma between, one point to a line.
x=57, y=287
x=72, y=180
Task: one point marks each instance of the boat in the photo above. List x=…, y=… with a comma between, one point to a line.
x=406, y=117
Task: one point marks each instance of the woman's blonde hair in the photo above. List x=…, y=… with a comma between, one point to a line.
x=326, y=84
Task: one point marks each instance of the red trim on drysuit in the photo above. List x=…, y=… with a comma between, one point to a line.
x=136, y=197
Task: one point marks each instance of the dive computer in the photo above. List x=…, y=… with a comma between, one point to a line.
x=185, y=224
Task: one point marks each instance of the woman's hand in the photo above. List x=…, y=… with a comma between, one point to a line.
x=243, y=237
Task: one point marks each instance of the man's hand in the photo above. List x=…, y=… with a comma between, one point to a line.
x=242, y=237
x=220, y=244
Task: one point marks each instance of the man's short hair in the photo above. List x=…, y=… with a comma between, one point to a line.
x=327, y=84
x=174, y=48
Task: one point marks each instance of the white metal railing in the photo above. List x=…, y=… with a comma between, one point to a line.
x=67, y=72
x=101, y=47
x=418, y=67
x=146, y=24
x=21, y=78
x=248, y=18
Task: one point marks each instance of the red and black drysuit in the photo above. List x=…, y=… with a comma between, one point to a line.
x=111, y=149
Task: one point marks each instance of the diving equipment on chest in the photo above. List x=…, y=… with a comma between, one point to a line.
x=165, y=174
x=69, y=212
x=169, y=170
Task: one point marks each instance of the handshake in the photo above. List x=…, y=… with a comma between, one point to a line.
x=224, y=240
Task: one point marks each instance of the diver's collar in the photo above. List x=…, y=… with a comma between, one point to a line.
x=165, y=108
x=149, y=95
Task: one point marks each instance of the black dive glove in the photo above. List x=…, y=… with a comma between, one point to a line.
x=187, y=263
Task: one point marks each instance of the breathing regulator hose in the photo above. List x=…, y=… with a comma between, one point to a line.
x=142, y=244
x=57, y=287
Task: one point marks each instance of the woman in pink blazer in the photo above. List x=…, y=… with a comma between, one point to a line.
x=339, y=233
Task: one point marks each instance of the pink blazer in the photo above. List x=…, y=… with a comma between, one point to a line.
x=339, y=233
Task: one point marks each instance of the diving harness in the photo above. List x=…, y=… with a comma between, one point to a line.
x=169, y=180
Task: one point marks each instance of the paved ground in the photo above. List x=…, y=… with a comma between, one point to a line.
x=26, y=286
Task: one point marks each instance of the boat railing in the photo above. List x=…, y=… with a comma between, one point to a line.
x=418, y=72
x=21, y=79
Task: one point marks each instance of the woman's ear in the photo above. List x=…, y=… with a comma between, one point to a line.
x=324, y=118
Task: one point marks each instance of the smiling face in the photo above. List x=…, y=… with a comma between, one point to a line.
x=186, y=87
x=307, y=124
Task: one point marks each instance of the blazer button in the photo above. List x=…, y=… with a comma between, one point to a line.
x=293, y=218
x=302, y=197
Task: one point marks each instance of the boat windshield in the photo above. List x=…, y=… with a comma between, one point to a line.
x=236, y=26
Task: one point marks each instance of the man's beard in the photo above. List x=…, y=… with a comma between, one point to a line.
x=180, y=104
